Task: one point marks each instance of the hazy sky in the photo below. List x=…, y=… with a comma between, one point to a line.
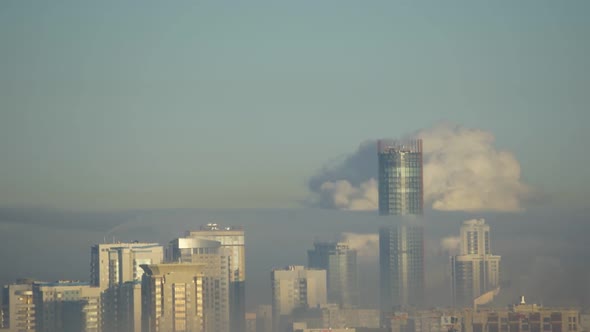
x=116, y=105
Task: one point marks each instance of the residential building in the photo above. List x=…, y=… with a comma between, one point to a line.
x=231, y=239
x=172, y=298
x=17, y=310
x=66, y=306
x=293, y=288
x=214, y=260
x=476, y=270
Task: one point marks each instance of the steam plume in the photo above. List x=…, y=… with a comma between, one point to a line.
x=463, y=171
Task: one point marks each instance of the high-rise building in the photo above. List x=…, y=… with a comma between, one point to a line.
x=264, y=318
x=17, y=310
x=339, y=261
x=115, y=263
x=214, y=260
x=66, y=306
x=401, y=244
x=400, y=177
x=232, y=239
x=295, y=287
x=401, y=259
x=172, y=298
x=115, y=270
x=475, y=271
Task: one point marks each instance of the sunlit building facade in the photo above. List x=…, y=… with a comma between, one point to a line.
x=475, y=271
x=400, y=177
x=232, y=240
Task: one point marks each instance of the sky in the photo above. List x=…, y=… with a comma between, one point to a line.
x=130, y=105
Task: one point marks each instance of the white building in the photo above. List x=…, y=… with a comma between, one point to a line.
x=475, y=271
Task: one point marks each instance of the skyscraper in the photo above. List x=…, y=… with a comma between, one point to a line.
x=17, y=310
x=172, y=298
x=401, y=244
x=400, y=177
x=232, y=239
x=401, y=258
x=339, y=261
x=475, y=271
x=214, y=261
x=295, y=287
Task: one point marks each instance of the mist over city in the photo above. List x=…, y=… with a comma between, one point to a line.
x=299, y=166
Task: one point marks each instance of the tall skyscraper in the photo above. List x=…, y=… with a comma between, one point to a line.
x=232, y=239
x=172, y=298
x=214, y=260
x=114, y=269
x=339, y=261
x=295, y=287
x=400, y=177
x=475, y=271
x=401, y=244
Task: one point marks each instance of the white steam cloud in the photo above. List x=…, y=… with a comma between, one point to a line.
x=463, y=171
x=366, y=245
x=450, y=244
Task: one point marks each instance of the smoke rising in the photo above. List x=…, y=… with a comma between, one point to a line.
x=366, y=245
x=463, y=171
x=450, y=244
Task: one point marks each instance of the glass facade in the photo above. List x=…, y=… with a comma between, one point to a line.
x=400, y=178
x=401, y=255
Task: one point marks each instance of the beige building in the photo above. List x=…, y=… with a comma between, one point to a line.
x=122, y=308
x=172, y=297
x=17, y=310
x=475, y=271
x=214, y=259
x=66, y=306
x=232, y=240
x=295, y=288
x=112, y=264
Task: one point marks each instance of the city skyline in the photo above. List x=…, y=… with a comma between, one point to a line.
x=99, y=116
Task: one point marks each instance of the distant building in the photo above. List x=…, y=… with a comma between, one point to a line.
x=112, y=264
x=250, y=322
x=295, y=287
x=232, y=239
x=475, y=271
x=17, y=310
x=115, y=269
x=66, y=306
x=172, y=298
x=401, y=245
x=340, y=263
x=264, y=318
x=214, y=260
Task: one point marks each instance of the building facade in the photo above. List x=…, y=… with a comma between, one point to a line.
x=475, y=271
x=66, y=306
x=172, y=298
x=17, y=309
x=400, y=177
x=293, y=288
x=401, y=261
x=215, y=264
x=401, y=245
x=232, y=239
x=340, y=263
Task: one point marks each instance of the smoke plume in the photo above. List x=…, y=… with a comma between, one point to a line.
x=463, y=171
x=450, y=244
x=366, y=245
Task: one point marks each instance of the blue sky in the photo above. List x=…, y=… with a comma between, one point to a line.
x=112, y=105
